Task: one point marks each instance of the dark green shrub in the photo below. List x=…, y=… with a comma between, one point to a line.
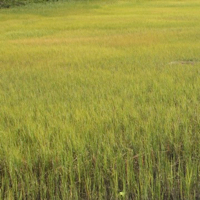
x=9, y=3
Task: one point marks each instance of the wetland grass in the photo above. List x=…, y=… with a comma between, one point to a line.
x=90, y=107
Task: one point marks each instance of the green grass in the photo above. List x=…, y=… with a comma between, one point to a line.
x=98, y=100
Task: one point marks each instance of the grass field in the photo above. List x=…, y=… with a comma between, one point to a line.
x=100, y=100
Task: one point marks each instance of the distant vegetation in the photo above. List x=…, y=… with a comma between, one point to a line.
x=9, y=3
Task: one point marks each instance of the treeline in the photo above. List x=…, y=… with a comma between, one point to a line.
x=9, y=3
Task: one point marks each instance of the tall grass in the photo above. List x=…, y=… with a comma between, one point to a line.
x=100, y=101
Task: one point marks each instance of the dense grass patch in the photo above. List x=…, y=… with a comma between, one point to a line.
x=100, y=101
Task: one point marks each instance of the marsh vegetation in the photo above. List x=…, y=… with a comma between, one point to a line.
x=90, y=107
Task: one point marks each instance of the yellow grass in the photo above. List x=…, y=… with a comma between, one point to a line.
x=100, y=100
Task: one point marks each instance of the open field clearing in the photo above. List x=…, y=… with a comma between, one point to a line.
x=100, y=100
